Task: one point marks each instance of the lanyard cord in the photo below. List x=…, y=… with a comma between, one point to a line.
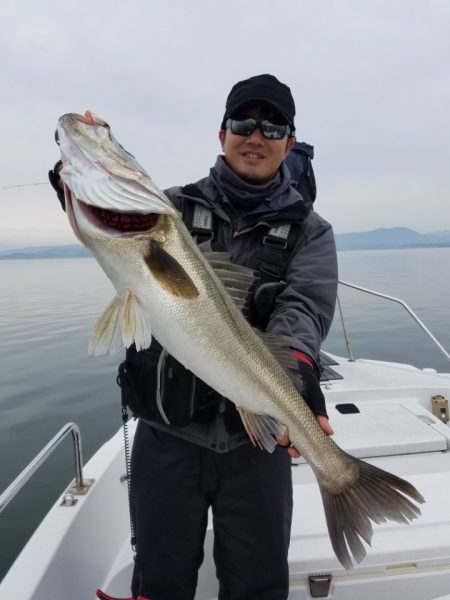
x=126, y=445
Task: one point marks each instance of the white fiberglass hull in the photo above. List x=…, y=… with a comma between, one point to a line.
x=79, y=548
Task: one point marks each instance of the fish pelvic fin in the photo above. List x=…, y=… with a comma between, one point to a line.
x=107, y=334
x=169, y=273
x=122, y=323
x=262, y=429
x=376, y=496
x=135, y=323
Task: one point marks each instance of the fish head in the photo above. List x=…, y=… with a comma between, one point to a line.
x=107, y=192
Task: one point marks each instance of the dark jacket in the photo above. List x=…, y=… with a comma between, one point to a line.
x=303, y=306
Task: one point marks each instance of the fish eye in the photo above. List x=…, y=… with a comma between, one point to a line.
x=103, y=123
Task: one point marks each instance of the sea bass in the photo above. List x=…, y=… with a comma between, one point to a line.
x=191, y=303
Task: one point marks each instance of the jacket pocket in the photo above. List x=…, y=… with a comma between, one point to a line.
x=158, y=388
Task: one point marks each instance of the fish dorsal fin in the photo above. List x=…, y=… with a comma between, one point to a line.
x=213, y=255
x=237, y=279
x=280, y=350
x=284, y=354
x=262, y=429
x=122, y=323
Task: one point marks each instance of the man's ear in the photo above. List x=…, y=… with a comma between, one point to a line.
x=289, y=145
x=222, y=134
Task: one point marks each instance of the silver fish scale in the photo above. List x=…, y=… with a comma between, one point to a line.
x=224, y=350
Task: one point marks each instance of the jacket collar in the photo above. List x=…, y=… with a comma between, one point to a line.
x=287, y=207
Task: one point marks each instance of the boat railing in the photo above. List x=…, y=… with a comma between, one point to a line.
x=81, y=485
x=391, y=299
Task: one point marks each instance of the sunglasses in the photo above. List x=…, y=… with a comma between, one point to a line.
x=246, y=127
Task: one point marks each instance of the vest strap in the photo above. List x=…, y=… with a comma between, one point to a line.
x=276, y=243
x=278, y=236
x=199, y=221
x=202, y=219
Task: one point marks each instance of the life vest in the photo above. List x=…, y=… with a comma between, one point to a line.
x=155, y=386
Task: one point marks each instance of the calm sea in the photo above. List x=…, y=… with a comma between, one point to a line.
x=49, y=307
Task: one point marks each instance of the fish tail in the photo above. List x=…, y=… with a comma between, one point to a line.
x=376, y=496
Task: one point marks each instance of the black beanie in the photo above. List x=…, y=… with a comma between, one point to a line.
x=261, y=88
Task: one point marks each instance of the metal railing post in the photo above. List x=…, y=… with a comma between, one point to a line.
x=344, y=329
x=81, y=485
x=405, y=306
x=78, y=456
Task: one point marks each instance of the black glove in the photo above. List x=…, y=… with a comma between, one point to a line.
x=54, y=178
x=311, y=392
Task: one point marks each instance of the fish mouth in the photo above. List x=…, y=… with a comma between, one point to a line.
x=119, y=222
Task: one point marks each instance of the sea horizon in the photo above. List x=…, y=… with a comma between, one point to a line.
x=384, y=238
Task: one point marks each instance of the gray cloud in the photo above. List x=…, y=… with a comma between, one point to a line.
x=370, y=81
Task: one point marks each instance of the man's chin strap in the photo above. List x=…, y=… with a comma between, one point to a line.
x=104, y=596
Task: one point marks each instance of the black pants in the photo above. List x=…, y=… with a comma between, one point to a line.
x=174, y=482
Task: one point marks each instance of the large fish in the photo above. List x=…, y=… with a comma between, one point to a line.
x=191, y=303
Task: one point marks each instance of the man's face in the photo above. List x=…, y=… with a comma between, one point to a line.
x=255, y=158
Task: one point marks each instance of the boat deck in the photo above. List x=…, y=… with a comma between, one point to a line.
x=386, y=419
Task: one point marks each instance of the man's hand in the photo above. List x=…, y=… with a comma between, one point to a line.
x=286, y=442
x=314, y=398
x=55, y=178
x=57, y=183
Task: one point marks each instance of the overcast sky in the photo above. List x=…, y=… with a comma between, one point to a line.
x=371, y=81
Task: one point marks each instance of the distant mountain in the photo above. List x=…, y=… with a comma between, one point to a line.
x=69, y=251
x=391, y=238
x=377, y=239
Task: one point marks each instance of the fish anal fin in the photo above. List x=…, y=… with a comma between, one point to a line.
x=169, y=273
x=262, y=429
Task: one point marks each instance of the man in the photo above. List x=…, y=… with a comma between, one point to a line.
x=191, y=452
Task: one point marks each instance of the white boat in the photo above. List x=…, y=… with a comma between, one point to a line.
x=392, y=415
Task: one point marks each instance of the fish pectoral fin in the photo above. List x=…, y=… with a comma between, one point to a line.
x=262, y=429
x=169, y=273
x=107, y=334
x=121, y=324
